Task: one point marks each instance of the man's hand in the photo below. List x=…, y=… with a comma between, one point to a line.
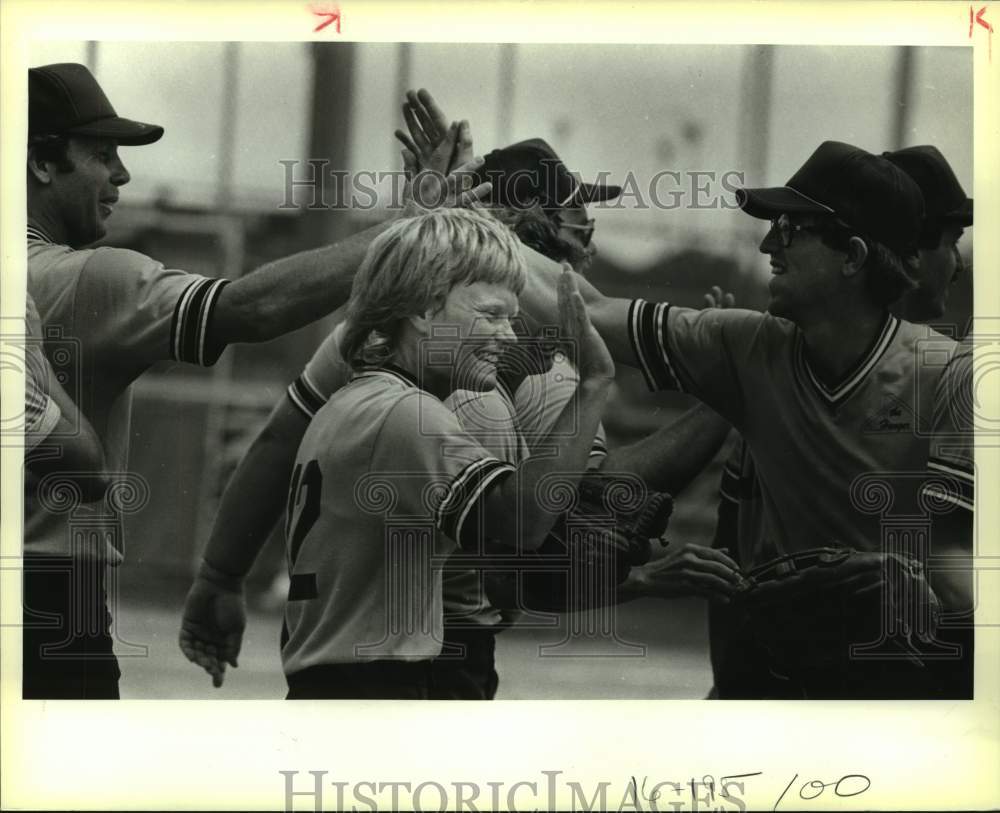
x=587, y=349
x=212, y=625
x=429, y=190
x=717, y=298
x=687, y=570
x=432, y=143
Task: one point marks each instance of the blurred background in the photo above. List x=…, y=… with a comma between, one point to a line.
x=212, y=197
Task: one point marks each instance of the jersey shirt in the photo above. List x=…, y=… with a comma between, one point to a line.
x=508, y=425
x=41, y=413
x=115, y=313
x=385, y=486
x=810, y=442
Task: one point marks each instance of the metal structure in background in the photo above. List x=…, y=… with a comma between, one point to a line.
x=904, y=97
x=506, y=85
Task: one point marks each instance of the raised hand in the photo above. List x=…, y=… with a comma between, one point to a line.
x=432, y=143
x=429, y=189
x=688, y=569
x=586, y=347
x=212, y=624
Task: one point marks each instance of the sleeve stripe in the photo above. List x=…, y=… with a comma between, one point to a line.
x=43, y=425
x=729, y=486
x=305, y=396
x=189, y=331
x=465, y=490
x=939, y=493
x=951, y=468
x=647, y=334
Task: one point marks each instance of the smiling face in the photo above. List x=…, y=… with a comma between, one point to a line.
x=467, y=336
x=939, y=268
x=805, y=275
x=84, y=198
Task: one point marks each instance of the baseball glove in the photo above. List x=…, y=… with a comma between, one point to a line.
x=589, y=550
x=815, y=608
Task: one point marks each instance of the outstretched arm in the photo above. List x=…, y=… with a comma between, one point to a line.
x=253, y=502
x=291, y=292
x=673, y=455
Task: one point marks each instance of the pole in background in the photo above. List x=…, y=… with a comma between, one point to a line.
x=227, y=133
x=904, y=97
x=755, y=134
x=506, y=83
x=91, y=56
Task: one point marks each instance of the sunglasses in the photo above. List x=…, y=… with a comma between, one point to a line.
x=784, y=226
x=586, y=231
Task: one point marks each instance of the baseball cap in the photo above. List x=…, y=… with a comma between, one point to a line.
x=65, y=99
x=944, y=198
x=531, y=171
x=865, y=191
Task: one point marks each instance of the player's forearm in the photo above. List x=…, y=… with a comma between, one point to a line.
x=608, y=315
x=526, y=517
x=255, y=497
x=673, y=455
x=286, y=294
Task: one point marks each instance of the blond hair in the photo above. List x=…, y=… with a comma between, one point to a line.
x=412, y=266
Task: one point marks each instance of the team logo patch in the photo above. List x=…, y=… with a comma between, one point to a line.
x=893, y=415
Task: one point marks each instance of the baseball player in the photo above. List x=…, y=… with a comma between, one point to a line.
x=126, y=311
x=948, y=214
x=364, y=616
x=511, y=421
x=739, y=666
x=802, y=382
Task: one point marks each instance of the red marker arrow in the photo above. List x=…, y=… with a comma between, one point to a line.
x=333, y=16
x=980, y=20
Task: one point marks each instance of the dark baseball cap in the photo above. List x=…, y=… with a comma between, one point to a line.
x=944, y=199
x=865, y=191
x=530, y=171
x=65, y=99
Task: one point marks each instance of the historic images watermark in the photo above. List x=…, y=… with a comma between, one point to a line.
x=315, y=184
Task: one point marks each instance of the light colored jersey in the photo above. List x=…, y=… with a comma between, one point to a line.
x=386, y=485
x=509, y=426
x=810, y=443
x=41, y=413
x=112, y=313
x=951, y=453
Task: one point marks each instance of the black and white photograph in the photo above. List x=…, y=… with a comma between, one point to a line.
x=361, y=371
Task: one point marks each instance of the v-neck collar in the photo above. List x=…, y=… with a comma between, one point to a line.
x=850, y=382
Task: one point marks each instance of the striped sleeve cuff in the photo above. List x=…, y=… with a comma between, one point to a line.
x=190, y=332
x=465, y=492
x=599, y=448
x=955, y=484
x=305, y=396
x=729, y=486
x=39, y=422
x=647, y=333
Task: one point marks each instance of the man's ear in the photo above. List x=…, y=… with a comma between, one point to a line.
x=38, y=168
x=857, y=253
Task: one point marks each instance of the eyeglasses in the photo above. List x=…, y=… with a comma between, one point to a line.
x=784, y=226
x=586, y=231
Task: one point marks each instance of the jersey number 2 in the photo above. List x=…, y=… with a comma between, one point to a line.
x=304, y=491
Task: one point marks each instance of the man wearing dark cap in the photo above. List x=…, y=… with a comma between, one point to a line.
x=948, y=212
x=738, y=668
x=807, y=385
x=125, y=312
